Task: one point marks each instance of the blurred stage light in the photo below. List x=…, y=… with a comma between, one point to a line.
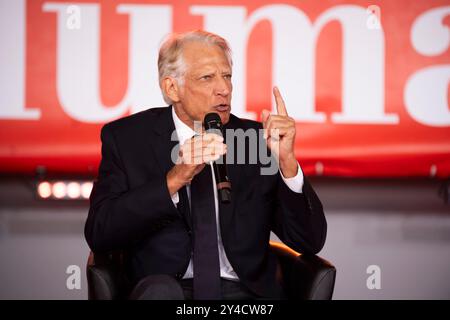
x=74, y=190
x=44, y=190
x=64, y=190
x=59, y=190
x=86, y=189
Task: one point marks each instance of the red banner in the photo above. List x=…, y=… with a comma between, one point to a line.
x=367, y=84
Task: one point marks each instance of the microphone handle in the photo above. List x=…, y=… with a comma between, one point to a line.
x=223, y=183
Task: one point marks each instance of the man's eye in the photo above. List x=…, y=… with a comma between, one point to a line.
x=207, y=77
x=227, y=76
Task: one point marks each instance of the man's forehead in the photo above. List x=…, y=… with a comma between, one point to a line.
x=200, y=54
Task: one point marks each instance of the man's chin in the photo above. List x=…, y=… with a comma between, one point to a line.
x=224, y=116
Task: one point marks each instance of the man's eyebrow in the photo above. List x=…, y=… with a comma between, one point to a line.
x=206, y=73
x=197, y=73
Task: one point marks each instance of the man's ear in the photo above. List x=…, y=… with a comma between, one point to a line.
x=171, y=89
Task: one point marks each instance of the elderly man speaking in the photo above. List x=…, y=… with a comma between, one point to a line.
x=164, y=211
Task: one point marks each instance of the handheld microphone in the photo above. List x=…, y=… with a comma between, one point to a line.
x=213, y=124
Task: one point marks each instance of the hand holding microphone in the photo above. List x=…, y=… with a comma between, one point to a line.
x=198, y=151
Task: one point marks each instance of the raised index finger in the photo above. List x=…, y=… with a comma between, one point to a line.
x=281, y=107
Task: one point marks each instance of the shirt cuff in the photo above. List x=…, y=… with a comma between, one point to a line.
x=295, y=183
x=175, y=198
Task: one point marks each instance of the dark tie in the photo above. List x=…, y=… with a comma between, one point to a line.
x=206, y=255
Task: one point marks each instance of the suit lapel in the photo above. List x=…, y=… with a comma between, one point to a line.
x=165, y=139
x=164, y=145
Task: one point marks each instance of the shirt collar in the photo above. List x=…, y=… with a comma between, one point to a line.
x=184, y=132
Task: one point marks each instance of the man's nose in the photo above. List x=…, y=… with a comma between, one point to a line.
x=223, y=87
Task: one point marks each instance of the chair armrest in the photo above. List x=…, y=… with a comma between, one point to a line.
x=305, y=276
x=105, y=277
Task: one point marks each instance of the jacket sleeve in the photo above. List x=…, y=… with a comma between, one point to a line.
x=298, y=219
x=119, y=216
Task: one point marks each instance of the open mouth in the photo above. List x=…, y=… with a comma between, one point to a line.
x=222, y=107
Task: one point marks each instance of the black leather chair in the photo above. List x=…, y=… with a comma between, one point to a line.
x=304, y=277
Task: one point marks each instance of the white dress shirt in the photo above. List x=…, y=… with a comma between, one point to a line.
x=184, y=132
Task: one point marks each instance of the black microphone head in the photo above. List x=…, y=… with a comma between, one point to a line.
x=212, y=121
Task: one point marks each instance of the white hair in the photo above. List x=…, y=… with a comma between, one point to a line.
x=170, y=59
